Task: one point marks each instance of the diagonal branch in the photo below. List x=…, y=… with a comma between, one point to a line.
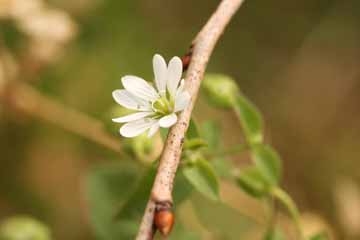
x=27, y=99
x=202, y=47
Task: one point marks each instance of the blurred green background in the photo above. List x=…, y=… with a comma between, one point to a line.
x=297, y=60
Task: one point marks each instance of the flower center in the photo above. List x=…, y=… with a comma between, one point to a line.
x=163, y=106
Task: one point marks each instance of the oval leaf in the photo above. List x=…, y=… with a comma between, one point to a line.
x=250, y=119
x=252, y=182
x=211, y=133
x=132, y=208
x=182, y=189
x=192, y=131
x=268, y=162
x=107, y=187
x=223, y=167
x=202, y=176
x=220, y=90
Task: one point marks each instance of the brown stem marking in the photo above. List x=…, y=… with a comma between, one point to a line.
x=203, y=46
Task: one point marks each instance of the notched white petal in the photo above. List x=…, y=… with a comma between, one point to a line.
x=181, y=86
x=135, y=128
x=160, y=71
x=182, y=100
x=174, y=74
x=128, y=100
x=168, y=120
x=132, y=117
x=140, y=88
x=153, y=129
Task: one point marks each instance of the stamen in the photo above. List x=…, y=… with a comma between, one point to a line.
x=162, y=106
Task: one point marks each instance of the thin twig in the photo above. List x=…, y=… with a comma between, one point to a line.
x=203, y=46
x=27, y=99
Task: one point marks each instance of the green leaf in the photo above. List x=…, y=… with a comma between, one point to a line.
x=220, y=90
x=221, y=219
x=250, y=119
x=194, y=144
x=211, y=133
x=182, y=189
x=320, y=236
x=268, y=162
x=107, y=188
x=252, y=182
x=193, y=130
x=274, y=234
x=134, y=205
x=203, y=178
x=24, y=227
x=223, y=167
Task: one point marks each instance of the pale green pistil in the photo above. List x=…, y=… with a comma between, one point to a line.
x=163, y=106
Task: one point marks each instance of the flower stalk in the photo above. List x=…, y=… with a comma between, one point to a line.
x=290, y=205
x=203, y=46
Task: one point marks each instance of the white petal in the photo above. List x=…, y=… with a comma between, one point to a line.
x=182, y=99
x=132, y=117
x=135, y=128
x=168, y=120
x=174, y=74
x=128, y=100
x=181, y=86
x=153, y=129
x=140, y=88
x=160, y=71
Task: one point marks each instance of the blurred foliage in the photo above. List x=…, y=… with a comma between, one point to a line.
x=107, y=188
x=21, y=227
x=296, y=60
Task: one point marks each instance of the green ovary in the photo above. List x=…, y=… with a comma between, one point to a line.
x=163, y=106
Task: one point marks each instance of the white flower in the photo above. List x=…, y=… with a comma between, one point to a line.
x=154, y=107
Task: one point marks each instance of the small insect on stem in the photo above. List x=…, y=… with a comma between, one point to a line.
x=164, y=218
x=186, y=59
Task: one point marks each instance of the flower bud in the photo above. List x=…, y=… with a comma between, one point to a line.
x=164, y=219
x=18, y=228
x=220, y=89
x=144, y=148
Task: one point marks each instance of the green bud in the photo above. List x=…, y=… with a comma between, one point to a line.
x=21, y=227
x=221, y=90
x=144, y=148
